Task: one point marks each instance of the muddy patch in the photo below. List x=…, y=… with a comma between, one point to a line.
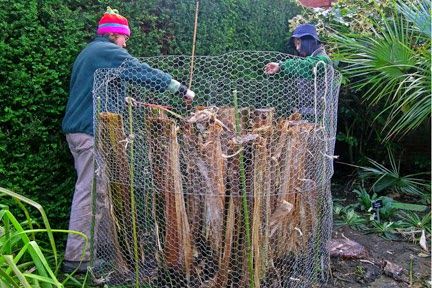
x=384, y=264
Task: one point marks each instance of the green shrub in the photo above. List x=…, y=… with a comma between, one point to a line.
x=38, y=47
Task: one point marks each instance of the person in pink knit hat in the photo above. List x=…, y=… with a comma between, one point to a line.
x=107, y=50
x=112, y=22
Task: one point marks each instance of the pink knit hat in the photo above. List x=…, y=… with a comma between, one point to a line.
x=113, y=22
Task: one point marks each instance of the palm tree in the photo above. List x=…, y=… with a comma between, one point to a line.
x=393, y=66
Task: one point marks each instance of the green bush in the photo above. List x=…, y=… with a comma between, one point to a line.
x=39, y=42
x=38, y=47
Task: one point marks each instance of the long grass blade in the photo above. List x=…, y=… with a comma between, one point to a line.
x=43, y=215
x=20, y=276
x=27, y=216
x=39, y=278
x=5, y=278
x=42, y=262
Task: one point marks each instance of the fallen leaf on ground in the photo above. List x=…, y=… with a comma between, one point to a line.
x=423, y=255
x=393, y=270
x=423, y=241
x=346, y=249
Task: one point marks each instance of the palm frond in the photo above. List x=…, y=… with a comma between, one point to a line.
x=419, y=13
x=390, y=179
x=393, y=68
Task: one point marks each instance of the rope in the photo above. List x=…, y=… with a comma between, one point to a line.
x=315, y=72
x=193, y=44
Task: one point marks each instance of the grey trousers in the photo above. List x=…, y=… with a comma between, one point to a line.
x=81, y=147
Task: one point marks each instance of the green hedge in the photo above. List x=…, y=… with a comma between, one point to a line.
x=39, y=42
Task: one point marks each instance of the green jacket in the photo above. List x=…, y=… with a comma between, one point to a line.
x=303, y=67
x=102, y=53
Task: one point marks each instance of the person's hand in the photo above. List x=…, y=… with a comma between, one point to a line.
x=272, y=68
x=189, y=96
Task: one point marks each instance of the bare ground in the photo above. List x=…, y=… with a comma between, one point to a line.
x=377, y=268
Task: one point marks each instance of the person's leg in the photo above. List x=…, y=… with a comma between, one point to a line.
x=81, y=147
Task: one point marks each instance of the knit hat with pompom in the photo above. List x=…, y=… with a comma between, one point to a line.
x=113, y=22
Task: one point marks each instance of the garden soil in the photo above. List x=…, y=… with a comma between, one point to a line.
x=382, y=264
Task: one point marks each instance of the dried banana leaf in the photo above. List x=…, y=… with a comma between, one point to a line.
x=165, y=164
x=114, y=155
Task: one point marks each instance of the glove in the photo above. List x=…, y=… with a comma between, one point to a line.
x=188, y=95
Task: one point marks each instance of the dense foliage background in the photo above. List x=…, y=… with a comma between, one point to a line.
x=39, y=42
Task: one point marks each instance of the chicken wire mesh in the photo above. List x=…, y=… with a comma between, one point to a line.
x=233, y=192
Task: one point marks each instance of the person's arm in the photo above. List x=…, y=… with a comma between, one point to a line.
x=132, y=70
x=302, y=66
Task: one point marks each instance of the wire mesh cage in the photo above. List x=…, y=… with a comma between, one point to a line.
x=232, y=192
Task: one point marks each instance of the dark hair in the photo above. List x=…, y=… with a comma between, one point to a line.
x=308, y=45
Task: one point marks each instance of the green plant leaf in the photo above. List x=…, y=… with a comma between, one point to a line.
x=390, y=179
x=390, y=68
x=384, y=183
x=17, y=227
x=18, y=273
x=42, y=263
x=7, y=279
x=42, y=279
x=409, y=206
x=43, y=215
x=419, y=13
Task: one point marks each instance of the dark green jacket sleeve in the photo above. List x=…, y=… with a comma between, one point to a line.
x=302, y=66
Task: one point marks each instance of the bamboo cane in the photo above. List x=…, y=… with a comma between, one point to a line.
x=243, y=185
x=132, y=199
x=245, y=139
